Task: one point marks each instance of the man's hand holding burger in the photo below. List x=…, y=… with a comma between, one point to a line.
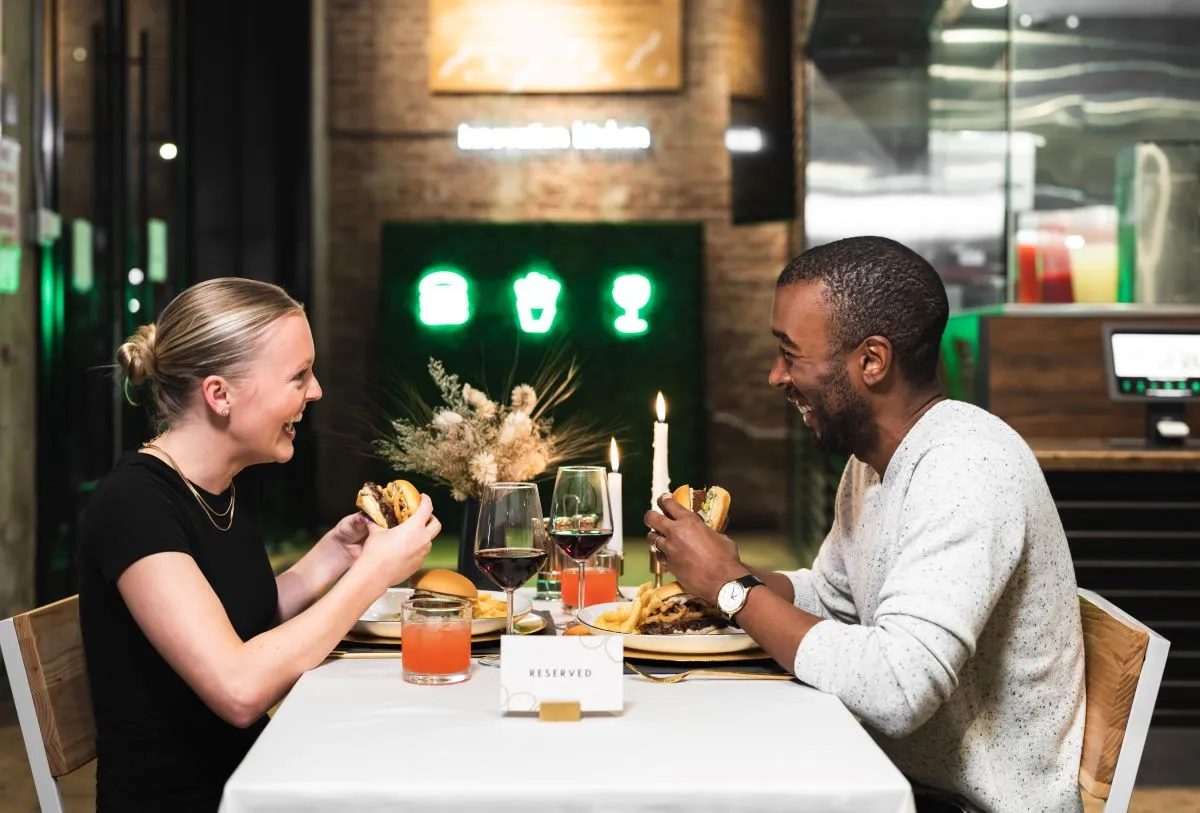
x=699, y=557
x=703, y=561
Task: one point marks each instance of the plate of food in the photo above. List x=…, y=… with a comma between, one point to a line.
x=488, y=607
x=667, y=620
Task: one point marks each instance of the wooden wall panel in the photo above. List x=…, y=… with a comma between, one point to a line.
x=1046, y=376
x=747, y=50
x=555, y=46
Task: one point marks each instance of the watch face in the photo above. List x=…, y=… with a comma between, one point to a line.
x=731, y=597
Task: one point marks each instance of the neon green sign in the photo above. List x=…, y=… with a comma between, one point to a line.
x=631, y=292
x=443, y=298
x=156, y=250
x=10, y=268
x=83, y=279
x=537, y=301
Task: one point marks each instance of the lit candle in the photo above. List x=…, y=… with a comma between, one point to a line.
x=660, y=480
x=617, y=543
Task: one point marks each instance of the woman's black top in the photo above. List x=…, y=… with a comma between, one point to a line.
x=159, y=746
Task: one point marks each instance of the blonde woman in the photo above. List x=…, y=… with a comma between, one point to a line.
x=190, y=637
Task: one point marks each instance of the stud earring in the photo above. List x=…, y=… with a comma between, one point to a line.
x=225, y=412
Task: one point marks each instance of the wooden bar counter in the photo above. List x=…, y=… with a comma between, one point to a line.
x=1095, y=454
x=1131, y=514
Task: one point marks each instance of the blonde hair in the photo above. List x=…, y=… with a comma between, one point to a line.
x=212, y=328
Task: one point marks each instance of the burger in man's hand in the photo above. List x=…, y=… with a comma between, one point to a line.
x=712, y=504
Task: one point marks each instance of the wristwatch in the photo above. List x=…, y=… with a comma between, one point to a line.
x=731, y=598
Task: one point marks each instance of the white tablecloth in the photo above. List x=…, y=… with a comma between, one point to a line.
x=352, y=737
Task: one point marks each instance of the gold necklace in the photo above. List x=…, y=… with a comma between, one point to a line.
x=209, y=512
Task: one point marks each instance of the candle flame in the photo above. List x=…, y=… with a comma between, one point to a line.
x=661, y=407
x=613, y=457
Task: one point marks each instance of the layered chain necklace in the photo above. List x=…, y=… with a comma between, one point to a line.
x=212, y=515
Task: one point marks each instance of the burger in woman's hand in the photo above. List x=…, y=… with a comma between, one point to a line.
x=388, y=506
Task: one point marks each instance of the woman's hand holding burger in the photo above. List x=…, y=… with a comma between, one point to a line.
x=349, y=535
x=396, y=552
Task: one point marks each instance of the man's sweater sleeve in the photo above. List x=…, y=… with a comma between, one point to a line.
x=824, y=589
x=962, y=537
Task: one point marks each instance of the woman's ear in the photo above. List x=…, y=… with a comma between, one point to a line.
x=216, y=395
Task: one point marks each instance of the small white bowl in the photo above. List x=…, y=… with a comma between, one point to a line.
x=382, y=619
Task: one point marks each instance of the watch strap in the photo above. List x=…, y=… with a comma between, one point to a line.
x=750, y=580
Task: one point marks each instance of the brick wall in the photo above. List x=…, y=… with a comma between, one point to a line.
x=390, y=154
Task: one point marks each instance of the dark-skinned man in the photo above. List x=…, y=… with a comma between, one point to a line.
x=942, y=606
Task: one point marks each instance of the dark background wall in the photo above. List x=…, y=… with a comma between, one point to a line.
x=227, y=83
x=255, y=95
x=391, y=156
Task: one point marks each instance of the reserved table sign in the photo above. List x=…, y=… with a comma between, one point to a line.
x=542, y=669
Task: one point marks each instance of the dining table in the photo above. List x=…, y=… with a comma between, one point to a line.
x=353, y=737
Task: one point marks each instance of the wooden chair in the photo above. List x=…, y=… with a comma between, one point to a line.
x=1124, y=667
x=43, y=655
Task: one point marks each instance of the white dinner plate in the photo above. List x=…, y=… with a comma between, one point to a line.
x=382, y=618
x=715, y=643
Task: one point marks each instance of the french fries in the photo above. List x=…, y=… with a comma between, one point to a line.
x=628, y=617
x=488, y=606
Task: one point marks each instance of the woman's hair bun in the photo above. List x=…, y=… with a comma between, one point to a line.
x=136, y=356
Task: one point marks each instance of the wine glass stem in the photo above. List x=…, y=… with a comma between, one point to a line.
x=582, y=575
x=509, y=613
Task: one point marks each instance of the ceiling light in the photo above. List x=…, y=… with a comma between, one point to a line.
x=989, y=4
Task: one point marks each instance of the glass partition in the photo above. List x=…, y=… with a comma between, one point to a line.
x=1037, y=151
x=1109, y=89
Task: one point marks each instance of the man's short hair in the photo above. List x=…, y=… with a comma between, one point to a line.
x=878, y=287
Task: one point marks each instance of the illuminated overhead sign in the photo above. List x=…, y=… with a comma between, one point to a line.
x=744, y=139
x=537, y=137
x=583, y=137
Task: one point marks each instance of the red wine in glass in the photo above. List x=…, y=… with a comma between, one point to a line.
x=510, y=538
x=580, y=545
x=580, y=515
x=510, y=567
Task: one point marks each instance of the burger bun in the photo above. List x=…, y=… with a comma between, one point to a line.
x=445, y=583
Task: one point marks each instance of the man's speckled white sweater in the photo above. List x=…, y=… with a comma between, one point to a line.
x=953, y=624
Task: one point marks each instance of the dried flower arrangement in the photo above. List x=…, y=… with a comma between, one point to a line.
x=471, y=439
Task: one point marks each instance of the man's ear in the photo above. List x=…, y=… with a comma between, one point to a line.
x=876, y=360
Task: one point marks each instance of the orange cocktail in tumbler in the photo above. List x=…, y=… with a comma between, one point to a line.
x=599, y=585
x=436, y=641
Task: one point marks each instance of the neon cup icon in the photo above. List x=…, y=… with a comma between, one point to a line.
x=537, y=301
x=631, y=292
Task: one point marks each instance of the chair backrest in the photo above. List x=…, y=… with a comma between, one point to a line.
x=1124, y=667
x=43, y=655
